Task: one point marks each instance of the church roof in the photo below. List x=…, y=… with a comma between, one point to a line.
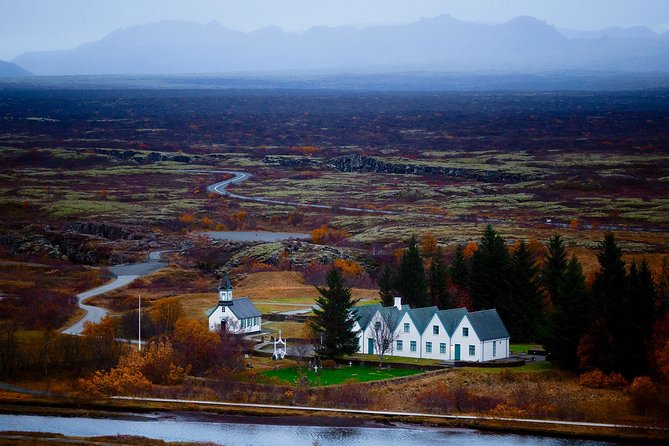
x=225, y=284
x=243, y=308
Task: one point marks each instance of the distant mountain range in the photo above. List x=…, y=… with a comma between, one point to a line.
x=523, y=45
x=8, y=69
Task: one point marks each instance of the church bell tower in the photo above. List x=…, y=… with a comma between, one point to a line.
x=225, y=292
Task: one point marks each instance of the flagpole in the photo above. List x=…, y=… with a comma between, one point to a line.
x=139, y=322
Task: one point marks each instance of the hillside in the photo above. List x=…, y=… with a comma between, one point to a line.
x=8, y=69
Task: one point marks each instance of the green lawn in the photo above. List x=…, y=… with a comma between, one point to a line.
x=523, y=348
x=340, y=375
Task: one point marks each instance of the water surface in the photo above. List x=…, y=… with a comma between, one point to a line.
x=191, y=428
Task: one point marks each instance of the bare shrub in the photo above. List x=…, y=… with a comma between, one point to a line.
x=347, y=395
x=643, y=394
x=329, y=364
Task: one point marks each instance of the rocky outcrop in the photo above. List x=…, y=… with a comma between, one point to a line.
x=139, y=157
x=301, y=162
x=359, y=163
x=299, y=253
x=105, y=230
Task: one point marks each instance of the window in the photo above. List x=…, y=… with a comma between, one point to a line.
x=412, y=346
x=377, y=326
x=442, y=348
x=494, y=349
x=400, y=346
x=472, y=350
x=406, y=327
x=428, y=347
x=465, y=331
x=435, y=329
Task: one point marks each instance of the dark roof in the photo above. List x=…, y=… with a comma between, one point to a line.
x=451, y=318
x=488, y=325
x=392, y=315
x=422, y=316
x=225, y=284
x=243, y=308
x=364, y=313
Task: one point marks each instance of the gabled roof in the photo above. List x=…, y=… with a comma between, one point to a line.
x=422, y=316
x=488, y=325
x=243, y=308
x=392, y=315
x=225, y=284
x=364, y=314
x=451, y=318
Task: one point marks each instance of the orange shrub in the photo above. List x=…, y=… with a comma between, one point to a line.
x=349, y=268
x=470, y=249
x=596, y=379
x=325, y=234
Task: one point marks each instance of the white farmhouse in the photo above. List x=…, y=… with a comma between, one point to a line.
x=448, y=335
x=236, y=315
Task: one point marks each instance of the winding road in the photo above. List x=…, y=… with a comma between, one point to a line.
x=125, y=274
x=238, y=177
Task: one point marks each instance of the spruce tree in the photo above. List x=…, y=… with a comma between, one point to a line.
x=569, y=317
x=458, y=271
x=387, y=286
x=490, y=275
x=611, y=306
x=555, y=267
x=641, y=315
x=437, y=285
x=333, y=320
x=526, y=303
x=411, y=283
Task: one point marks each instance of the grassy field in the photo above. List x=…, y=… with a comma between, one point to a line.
x=340, y=375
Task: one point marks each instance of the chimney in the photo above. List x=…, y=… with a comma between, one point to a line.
x=398, y=303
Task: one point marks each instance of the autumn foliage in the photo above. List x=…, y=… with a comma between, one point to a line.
x=327, y=235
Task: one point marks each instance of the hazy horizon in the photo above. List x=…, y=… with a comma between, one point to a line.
x=40, y=25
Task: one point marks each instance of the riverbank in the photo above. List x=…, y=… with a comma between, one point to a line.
x=110, y=409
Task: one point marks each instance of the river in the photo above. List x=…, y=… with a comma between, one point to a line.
x=207, y=428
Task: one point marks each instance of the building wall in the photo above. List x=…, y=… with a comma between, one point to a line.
x=466, y=342
x=234, y=324
x=482, y=350
x=441, y=338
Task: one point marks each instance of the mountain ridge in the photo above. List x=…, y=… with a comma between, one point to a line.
x=441, y=43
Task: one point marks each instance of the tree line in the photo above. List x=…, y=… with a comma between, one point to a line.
x=617, y=320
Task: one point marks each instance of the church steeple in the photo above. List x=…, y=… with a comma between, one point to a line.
x=225, y=291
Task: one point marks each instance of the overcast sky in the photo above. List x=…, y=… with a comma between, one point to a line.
x=33, y=25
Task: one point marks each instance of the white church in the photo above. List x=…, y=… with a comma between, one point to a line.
x=236, y=315
x=449, y=335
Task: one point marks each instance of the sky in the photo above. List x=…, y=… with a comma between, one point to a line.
x=35, y=25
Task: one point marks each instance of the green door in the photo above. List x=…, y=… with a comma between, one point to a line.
x=370, y=346
x=457, y=352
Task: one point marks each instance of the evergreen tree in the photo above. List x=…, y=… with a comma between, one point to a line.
x=333, y=320
x=526, y=303
x=490, y=275
x=411, y=283
x=387, y=287
x=437, y=284
x=458, y=271
x=641, y=316
x=555, y=267
x=611, y=305
x=569, y=318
